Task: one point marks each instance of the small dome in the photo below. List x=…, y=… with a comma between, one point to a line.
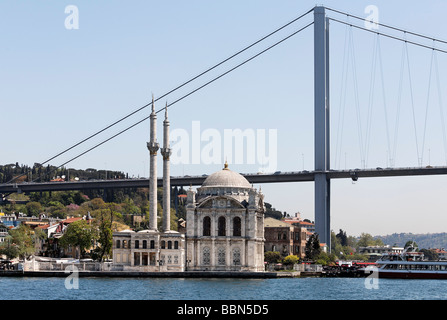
x=226, y=178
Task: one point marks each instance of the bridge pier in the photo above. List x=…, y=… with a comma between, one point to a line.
x=104, y=194
x=176, y=200
x=321, y=126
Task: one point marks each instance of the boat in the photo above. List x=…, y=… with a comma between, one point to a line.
x=410, y=264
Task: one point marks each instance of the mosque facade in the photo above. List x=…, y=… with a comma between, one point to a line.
x=224, y=223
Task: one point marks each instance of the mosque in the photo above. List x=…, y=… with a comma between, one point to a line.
x=224, y=223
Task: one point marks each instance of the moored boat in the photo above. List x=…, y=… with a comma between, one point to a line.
x=410, y=264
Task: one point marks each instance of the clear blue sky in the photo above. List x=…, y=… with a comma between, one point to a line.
x=58, y=86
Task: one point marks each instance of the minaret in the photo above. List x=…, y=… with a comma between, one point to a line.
x=166, y=153
x=153, y=146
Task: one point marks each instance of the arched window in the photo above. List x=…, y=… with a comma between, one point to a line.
x=144, y=244
x=163, y=244
x=118, y=244
x=169, y=244
x=137, y=244
x=152, y=244
x=237, y=227
x=207, y=226
x=175, y=244
x=221, y=224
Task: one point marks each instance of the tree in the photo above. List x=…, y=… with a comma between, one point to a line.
x=97, y=203
x=33, y=208
x=57, y=210
x=367, y=240
x=342, y=237
x=272, y=212
x=430, y=254
x=22, y=239
x=272, y=256
x=9, y=249
x=291, y=259
x=411, y=243
x=103, y=221
x=79, y=234
x=312, y=249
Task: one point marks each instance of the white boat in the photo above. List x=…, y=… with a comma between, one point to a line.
x=410, y=264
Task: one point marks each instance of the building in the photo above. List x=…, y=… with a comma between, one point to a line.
x=10, y=220
x=149, y=250
x=223, y=231
x=442, y=253
x=54, y=230
x=3, y=232
x=375, y=252
x=284, y=238
x=225, y=224
x=296, y=221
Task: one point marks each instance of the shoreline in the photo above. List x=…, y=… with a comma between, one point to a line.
x=137, y=274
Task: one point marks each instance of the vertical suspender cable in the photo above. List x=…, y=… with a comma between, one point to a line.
x=412, y=105
x=399, y=101
x=444, y=138
x=370, y=101
x=383, y=95
x=341, y=114
x=426, y=107
x=356, y=96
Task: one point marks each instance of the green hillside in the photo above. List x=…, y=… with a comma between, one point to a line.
x=428, y=240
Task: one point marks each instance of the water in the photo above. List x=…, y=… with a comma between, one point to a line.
x=219, y=289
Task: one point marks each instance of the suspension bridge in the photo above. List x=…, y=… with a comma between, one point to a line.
x=322, y=173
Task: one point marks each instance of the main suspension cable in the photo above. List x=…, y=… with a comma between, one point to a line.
x=388, y=26
x=392, y=37
x=188, y=94
x=171, y=91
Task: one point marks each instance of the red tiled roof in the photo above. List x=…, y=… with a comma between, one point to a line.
x=300, y=222
x=70, y=220
x=305, y=222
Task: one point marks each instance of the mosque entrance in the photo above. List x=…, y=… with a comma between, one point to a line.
x=144, y=259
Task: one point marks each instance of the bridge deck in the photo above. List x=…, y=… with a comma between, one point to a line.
x=279, y=177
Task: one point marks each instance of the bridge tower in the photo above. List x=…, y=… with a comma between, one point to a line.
x=321, y=125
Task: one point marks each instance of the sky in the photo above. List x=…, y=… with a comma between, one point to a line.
x=70, y=68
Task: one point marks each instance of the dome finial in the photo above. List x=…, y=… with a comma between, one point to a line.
x=226, y=165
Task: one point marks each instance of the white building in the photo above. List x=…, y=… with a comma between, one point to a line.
x=375, y=252
x=3, y=232
x=225, y=225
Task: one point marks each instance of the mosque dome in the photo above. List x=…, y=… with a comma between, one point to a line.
x=226, y=178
